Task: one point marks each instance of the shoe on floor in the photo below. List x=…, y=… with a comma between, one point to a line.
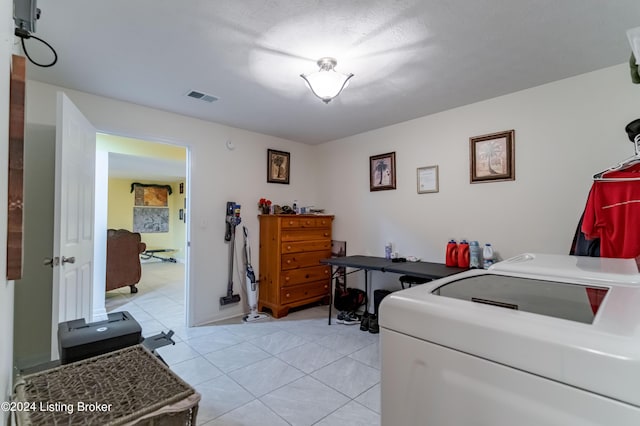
x=350, y=318
x=364, y=324
x=373, y=324
x=340, y=317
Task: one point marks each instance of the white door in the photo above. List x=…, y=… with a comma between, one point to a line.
x=73, y=217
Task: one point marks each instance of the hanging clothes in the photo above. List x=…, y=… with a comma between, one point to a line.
x=612, y=214
x=581, y=246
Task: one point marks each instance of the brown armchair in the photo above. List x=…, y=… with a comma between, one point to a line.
x=123, y=259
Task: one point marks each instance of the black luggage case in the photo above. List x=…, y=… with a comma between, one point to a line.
x=78, y=340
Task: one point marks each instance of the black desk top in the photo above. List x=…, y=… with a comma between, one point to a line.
x=372, y=263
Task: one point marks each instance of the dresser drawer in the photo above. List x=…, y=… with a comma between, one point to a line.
x=303, y=291
x=303, y=260
x=305, y=246
x=323, y=222
x=298, y=222
x=305, y=234
x=305, y=275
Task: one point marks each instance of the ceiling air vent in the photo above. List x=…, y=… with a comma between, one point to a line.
x=201, y=96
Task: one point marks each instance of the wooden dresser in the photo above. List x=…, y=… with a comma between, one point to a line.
x=291, y=275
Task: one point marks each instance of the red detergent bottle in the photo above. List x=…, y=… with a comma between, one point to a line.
x=463, y=254
x=451, y=258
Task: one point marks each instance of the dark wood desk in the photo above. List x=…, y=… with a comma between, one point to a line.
x=429, y=270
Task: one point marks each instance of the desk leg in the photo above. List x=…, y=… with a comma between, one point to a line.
x=330, y=297
x=334, y=273
x=366, y=292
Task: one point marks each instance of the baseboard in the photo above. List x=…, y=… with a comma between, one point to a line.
x=99, y=315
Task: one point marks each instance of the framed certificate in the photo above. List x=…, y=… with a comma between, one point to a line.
x=427, y=179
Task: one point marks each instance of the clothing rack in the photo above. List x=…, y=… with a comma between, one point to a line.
x=633, y=130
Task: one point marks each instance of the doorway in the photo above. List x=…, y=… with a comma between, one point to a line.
x=133, y=164
x=34, y=330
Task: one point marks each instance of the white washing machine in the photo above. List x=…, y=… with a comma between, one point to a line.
x=535, y=340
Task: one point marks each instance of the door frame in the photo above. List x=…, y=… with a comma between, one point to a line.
x=99, y=302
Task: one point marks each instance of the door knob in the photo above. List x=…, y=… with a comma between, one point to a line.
x=71, y=259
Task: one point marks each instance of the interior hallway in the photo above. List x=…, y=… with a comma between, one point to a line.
x=296, y=370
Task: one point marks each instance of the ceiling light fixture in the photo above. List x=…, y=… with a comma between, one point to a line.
x=634, y=41
x=326, y=83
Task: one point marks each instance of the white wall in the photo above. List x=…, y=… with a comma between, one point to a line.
x=6, y=288
x=565, y=132
x=32, y=316
x=217, y=175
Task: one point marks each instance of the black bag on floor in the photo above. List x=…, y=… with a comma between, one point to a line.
x=348, y=299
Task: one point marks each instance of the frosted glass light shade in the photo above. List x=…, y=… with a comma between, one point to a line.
x=326, y=83
x=634, y=40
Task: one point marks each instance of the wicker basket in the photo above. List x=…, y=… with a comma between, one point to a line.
x=126, y=387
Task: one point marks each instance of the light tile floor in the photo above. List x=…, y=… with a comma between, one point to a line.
x=297, y=370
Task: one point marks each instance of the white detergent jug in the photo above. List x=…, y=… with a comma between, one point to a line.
x=487, y=256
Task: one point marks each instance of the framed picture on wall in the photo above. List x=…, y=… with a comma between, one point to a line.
x=492, y=157
x=382, y=172
x=427, y=179
x=150, y=219
x=278, y=166
x=151, y=194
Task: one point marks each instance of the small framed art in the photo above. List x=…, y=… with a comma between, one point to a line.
x=278, y=166
x=382, y=172
x=427, y=179
x=492, y=157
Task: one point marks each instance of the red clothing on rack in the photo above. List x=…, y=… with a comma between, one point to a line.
x=613, y=214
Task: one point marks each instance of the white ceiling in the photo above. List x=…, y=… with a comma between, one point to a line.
x=135, y=167
x=410, y=57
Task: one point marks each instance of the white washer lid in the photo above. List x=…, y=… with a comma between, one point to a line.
x=601, y=357
x=592, y=269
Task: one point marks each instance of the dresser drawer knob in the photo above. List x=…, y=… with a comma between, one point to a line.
x=286, y=278
x=289, y=261
x=288, y=247
x=287, y=295
x=326, y=286
x=308, y=222
x=290, y=222
x=326, y=234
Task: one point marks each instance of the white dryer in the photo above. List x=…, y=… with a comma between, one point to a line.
x=535, y=340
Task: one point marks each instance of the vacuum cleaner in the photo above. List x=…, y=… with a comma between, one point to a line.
x=232, y=221
x=250, y=280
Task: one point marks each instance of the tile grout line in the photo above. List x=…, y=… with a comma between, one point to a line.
x=124, y=301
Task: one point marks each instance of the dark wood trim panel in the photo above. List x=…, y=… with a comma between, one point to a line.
x=16, y=168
